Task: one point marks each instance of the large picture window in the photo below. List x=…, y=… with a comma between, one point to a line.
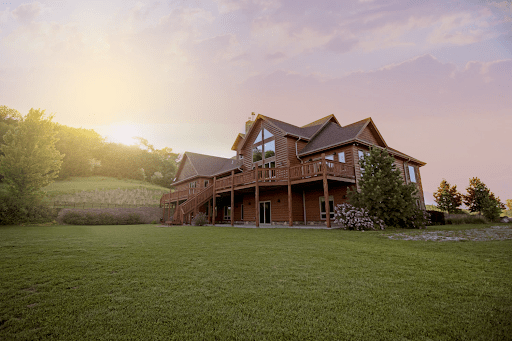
x=264, y=147
x=323, y=214
x=270, y=149
x=257, y=153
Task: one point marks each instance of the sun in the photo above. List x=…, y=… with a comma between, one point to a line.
x=123, y=133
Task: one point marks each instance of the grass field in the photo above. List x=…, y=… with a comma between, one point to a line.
x=97, y=191
x=220, y=283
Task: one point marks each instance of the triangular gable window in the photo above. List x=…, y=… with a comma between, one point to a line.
x=259, y=138
x=267, y=133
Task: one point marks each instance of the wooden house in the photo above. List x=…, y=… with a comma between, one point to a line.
x=282, y=174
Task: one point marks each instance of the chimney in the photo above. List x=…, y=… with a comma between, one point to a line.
x=249, y=123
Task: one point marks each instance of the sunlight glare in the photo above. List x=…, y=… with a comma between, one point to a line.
x=123, y=133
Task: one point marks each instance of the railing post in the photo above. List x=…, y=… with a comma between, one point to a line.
x=214, y=204
x=326, y=192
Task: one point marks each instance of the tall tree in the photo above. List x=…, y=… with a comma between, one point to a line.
x=30, y=160
x=384, y=194
x=479, y=197
x=78, y=145
x=447, y=197
x=509, y=204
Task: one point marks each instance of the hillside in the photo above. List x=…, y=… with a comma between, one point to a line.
x=103, y=191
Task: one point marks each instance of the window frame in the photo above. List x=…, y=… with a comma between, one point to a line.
x=412, y=173
x=323, y=215
x=259, y=145
x=339, y=159
x=206, y=183
x=227, y=209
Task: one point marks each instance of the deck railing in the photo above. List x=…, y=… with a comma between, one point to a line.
x=266, y=175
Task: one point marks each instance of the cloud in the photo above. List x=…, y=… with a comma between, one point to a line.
x=27, y=12
x=340, y=45
x=275, y=56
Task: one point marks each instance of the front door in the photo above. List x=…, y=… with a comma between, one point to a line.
x=264, y=212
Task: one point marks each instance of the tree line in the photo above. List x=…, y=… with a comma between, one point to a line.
x=479, y=198
x=86, y=153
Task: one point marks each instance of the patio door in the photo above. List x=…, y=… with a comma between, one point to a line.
x=264, y=212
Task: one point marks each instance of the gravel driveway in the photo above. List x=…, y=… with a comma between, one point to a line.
x=485, y=234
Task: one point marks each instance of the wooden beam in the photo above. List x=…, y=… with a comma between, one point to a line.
x=232, y=197
x=257, y=199
x=290, y=216
x=214, y=204
x=209, y=211
x=326, y=193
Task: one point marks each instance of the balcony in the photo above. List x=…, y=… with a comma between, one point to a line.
x=310, y=171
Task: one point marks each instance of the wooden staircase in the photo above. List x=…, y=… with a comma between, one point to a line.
x=192, y=204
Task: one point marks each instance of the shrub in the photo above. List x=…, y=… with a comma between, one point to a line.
x=459, y=219
x=14, y=211
x=436, y=218
x=200, y=219
x=354, y=218
x=111, y=216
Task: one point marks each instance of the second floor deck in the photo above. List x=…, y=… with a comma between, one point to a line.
x=280, y=176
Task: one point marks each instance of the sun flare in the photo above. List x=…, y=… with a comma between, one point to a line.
x=124, y=133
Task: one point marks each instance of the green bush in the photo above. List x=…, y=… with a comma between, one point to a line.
x=14, y=211
x=459, y=219
x=436, y=217
x=200, y=219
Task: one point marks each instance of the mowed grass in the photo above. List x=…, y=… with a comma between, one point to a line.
x=220, y=283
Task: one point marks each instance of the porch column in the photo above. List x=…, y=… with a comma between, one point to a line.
x=257, y=198
x=232, y=198
x=290, y=217
x=209, y=211
x=326, y=193
x=163, y=213
x=214, y=201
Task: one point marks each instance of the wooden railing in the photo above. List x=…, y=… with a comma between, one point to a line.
x=192, y=202
x=273, y=175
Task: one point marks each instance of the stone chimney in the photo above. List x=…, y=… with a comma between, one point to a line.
x=249, y=123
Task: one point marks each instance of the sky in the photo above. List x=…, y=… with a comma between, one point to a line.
x=435, y=76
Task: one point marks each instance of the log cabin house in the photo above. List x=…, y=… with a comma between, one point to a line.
x=281, y=174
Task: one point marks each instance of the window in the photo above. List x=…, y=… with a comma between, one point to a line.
x=193, y=184
x=257, y=153
x=270, y=149
x=322, y=207
x=264, y=146
x=259, y=138
x=227, y=212
x=341, y=157
x=329, y=157
x=242, y=212
x=412, y=174
x=362, y=154
x=206, y=183
x=270, y=165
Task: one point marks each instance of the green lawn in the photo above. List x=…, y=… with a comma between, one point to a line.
x=147, y=282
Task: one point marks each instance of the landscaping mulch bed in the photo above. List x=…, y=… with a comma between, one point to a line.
x=485, y=234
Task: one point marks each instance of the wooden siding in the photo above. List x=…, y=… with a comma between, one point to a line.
x=292, y=153
x=369, y=135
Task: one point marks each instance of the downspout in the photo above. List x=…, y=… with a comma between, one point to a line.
x=297, y=151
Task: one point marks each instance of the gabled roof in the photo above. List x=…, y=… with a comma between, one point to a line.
x=239, y=138
x=331, y=135
x=322, y=121
x=207, y=165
